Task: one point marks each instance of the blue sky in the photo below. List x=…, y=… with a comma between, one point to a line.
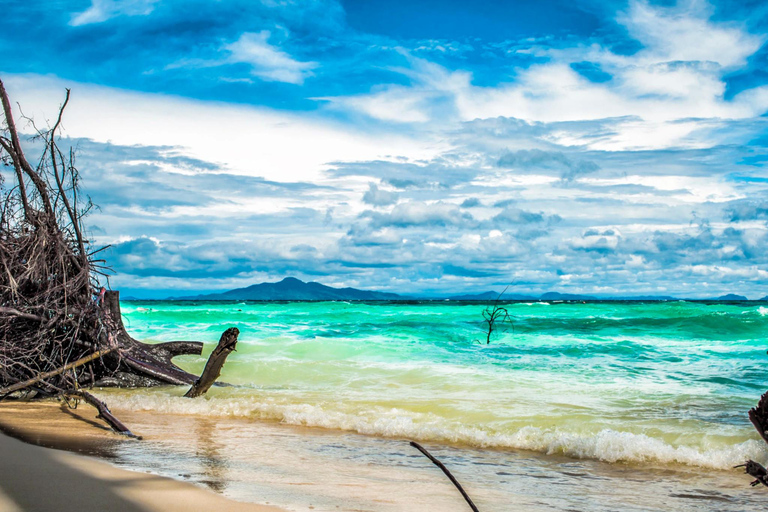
x=597, y=147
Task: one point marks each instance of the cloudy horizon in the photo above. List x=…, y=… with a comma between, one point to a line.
x=604, y=148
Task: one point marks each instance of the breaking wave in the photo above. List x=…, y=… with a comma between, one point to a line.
x=606, y=445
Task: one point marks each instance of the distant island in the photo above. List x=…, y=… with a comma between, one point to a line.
x=291, y=288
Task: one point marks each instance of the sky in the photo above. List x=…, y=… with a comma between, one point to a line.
x=601, y=147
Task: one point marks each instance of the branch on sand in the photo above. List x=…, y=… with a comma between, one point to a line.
x=447, y=473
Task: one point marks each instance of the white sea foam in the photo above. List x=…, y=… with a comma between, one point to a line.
x=607, y=445
x=762, y=310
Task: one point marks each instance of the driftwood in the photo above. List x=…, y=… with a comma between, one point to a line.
x=756, y=470
x=759, y=418
x=104, y=413
x=447, y=473
x=226, y=346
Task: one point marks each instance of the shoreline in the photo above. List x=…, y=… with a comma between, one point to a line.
x=237, y=461
x=49, y=463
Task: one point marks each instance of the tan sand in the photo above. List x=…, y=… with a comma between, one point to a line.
x=33, y=478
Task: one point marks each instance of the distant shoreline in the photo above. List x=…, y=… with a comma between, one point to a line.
x=452, y=301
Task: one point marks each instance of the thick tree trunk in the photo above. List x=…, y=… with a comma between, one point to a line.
x=143, y=364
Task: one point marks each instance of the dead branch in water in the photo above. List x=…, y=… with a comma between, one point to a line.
x=226, y=346
x=495, y=316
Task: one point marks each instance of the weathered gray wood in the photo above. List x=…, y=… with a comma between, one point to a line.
x=227, y=344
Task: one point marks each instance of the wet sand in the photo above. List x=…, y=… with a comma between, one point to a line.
x=33, y=478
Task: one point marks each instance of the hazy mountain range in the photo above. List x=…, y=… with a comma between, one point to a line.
x=291, y=288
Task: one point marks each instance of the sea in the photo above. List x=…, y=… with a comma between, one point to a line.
x=572, y=406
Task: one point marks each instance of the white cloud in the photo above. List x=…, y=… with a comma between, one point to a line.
x=684, y=33
x=268, y=62
x=103, y=10
x=669, y=94
x=252, y=141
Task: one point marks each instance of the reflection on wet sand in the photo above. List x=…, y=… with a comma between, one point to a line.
x=214, y=469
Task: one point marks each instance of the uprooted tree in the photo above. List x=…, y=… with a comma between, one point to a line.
x=60, y=330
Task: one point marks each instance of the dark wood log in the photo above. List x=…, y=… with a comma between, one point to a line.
x=227, y=344
x=759, y=417
x=104, y=413
x=756, y=470
x=447, y=473
x=127, y=380
x=150, y=361
x=169, y=374
x=171, y=349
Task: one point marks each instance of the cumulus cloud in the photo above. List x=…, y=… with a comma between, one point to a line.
x=536, y=159
x=747, y=210
x=684, y=33
x=377, y=197
x=417, y=213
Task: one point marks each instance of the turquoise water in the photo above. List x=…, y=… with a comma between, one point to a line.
x=656, y=384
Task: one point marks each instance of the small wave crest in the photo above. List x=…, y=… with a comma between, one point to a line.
x=606, y=445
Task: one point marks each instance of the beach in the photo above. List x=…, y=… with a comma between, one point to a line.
x=189, y=462
x=34, y=478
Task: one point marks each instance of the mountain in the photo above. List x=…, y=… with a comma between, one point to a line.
x=291, y=288
x=566, y=296
x=732, y=297
x=492, y=296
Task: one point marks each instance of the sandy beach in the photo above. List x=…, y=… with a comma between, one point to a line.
x=34, y=478
x=256, y=462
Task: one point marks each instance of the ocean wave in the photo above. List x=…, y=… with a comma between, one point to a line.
x=606, y=445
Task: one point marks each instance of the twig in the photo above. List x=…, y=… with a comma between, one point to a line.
x=447, y=473
x=48, y=375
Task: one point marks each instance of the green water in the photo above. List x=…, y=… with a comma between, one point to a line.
x=644, y=383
